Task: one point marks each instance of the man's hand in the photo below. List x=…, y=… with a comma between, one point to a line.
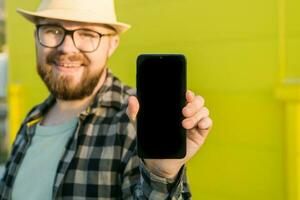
x=196, y=122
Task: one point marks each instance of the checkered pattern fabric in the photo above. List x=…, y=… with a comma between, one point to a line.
x=100, y=160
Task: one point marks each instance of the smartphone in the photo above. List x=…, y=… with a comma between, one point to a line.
x=161, y=88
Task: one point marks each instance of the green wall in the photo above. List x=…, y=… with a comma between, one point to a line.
x=231, y=48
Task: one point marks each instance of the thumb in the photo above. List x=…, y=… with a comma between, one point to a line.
x=190, y=96
x=133, y=108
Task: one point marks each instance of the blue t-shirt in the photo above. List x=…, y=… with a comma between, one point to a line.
x=35, y=177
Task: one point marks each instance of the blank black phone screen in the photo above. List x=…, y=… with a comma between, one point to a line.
x=161, y=87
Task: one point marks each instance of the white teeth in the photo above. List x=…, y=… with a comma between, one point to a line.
x=69, y=65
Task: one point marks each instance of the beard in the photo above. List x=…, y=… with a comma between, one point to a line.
x=61, y=86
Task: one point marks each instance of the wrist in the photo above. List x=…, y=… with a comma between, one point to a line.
x=169, y=173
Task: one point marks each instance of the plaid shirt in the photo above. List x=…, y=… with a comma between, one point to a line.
x=100, y=159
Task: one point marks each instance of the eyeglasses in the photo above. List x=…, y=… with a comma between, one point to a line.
x=85, y=40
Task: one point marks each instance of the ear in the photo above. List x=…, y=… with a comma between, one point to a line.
x=35, y=36
x=114, y=43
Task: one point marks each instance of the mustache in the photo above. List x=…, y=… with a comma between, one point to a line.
x=58, y=56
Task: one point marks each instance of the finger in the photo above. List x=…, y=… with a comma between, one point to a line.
x=133, y=108
x=189, y=96
x=196, y=137
x=204, y=127
x=193, y=134
x=191, y=122
x=191, y=108
x=205, y=124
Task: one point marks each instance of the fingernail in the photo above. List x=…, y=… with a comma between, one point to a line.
x=202, y=125
x=187, y=110
x=186, y=123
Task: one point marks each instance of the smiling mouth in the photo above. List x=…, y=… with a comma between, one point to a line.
x=67, y=67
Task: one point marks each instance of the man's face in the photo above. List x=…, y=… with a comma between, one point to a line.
x=69, y=73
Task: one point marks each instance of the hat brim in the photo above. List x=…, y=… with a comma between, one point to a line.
x=82, y=16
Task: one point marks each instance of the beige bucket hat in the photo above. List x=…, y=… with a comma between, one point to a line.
x=90, y=11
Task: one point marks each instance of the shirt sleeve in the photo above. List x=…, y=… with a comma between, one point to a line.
x=138, y=182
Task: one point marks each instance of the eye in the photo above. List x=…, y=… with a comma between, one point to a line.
x=52, y=30
x=89, y=34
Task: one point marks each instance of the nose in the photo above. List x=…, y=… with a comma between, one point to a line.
x=68, y=45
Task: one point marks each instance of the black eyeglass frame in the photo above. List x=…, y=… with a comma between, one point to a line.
x=71, y=33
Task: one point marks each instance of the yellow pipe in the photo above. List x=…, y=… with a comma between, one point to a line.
x=292, y=150
x=15, y=110
x=289, y=92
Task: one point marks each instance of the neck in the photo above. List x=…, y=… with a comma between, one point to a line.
x=67, y=110
x=73, y=105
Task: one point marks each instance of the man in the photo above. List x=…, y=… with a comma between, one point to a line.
x=80, y=143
